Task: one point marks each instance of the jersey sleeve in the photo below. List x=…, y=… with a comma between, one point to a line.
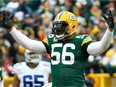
x=47, y=67
x=85, y=42
x=16, y=69
x=46, y=43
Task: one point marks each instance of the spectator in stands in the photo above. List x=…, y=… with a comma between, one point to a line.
x=4, y=44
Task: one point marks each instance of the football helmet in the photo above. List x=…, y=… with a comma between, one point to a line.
x=32, y=57
x=65, y=24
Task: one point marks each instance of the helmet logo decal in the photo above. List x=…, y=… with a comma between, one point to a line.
x=72, y=17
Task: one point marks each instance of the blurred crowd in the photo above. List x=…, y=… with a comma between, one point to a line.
x=34, y=17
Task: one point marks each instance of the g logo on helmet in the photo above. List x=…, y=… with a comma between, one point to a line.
x=72, y=17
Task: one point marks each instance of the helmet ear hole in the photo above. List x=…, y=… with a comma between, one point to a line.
x=73, y=27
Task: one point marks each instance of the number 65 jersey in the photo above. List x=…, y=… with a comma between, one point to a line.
x=36, y=77
x=68, y=60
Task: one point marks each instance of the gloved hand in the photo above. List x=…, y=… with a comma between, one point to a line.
x=109, y=19
x=7, y=20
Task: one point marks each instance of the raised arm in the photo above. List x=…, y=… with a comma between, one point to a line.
x=33, y=45
x=99, y=47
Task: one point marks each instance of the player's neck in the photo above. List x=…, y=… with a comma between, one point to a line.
x=31, y=65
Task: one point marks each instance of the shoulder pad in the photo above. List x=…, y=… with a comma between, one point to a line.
x=17, y=66
x=45, y=64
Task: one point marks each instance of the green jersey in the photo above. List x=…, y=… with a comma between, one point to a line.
x=0, y=74
x=68, y=60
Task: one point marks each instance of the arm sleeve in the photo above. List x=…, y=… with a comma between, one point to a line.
x=33, y=45
x=99, y=47
x=49, y=68
x=14, y=70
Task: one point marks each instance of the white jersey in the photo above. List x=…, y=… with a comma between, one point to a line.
x=36, y=77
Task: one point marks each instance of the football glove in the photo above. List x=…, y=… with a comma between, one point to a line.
x=109, y=19
x=7, y=20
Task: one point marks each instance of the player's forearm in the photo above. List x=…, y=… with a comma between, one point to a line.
x=99, y=47
x=36, y=46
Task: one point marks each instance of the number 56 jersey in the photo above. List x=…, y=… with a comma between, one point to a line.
x=36, y=77
x=68, y=60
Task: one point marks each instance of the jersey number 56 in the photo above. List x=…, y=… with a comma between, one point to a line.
x=64, y=53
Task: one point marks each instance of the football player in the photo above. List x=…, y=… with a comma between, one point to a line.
x=33, y=72
x=69, y=53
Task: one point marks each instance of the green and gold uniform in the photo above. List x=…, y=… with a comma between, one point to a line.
x=68, y=60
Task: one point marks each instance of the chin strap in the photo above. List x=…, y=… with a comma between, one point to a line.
x=59, y=37
x=62, y=36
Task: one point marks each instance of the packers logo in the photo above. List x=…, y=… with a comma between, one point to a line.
x=72, y=17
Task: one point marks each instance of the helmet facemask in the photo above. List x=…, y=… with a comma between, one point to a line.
x=31, y=57
x=60, y=29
